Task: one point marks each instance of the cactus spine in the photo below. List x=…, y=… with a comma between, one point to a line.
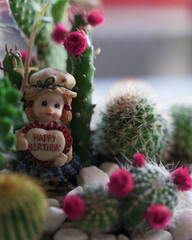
x=101, y=212
x=130, y=125
x=23, y=208
x=152, y=185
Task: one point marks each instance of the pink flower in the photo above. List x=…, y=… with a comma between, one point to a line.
x=74, y=207
x=95, y=17
x=182, y=179
x=158, y=216
x=121, y=183
x=138, y=160
x=75, y=43
x=59, y=33
x=24, y=55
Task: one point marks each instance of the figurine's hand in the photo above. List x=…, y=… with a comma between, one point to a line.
x=21, y=143
x=60, y=160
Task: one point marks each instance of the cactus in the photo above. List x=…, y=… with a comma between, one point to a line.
x=82, y=108
x=152, y=186
x=25, y=12
x=100, y=214
x=23, y=208
x=181, y=144
x=13, y=67
x=3, y=162
x=10, y=112
x=130, y=125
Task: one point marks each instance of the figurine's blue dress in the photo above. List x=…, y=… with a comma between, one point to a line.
x=42, y=169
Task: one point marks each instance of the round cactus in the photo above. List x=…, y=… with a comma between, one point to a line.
x=23, y=208
x=100, y=213
x=181, y=144
x=153, y=186
x=131, y=125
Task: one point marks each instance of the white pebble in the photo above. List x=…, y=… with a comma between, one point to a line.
x=109, y=167
x=181, y=226
x=70, y=234
x=55, y=217
x=160, y=235
x=75, y=191
x=93, y=177
x=122, y=237
x=103, y=236
x=53, y=202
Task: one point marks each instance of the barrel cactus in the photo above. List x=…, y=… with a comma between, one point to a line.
x=23, y=208
x=181, y=144
x=152, y=186
x=147, y=193
x=99, y=211
x=130, y=124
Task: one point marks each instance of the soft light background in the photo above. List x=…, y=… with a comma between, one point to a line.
x=146, y=39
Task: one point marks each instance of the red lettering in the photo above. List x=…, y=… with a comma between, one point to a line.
x=39, y=147
x=35, y=137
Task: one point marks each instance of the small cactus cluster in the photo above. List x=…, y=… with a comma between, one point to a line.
x=141, y=198
x=129, y=125
x=23, y=208
x=181, y=141
x=11, y=114
x=99, y=214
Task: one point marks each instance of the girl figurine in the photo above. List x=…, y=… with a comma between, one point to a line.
x=47, y=145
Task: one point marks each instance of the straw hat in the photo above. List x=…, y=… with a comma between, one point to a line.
x=50, y=80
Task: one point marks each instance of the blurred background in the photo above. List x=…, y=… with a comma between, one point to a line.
x=148, y=39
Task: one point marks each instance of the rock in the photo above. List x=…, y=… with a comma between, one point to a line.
x=71, y=224
x=103, y=236
x=160, y=235
x=53, y=202
x=70, y=234
x=75, y=191
x=122, y=237
x=92, y=177
x=109, y=167
x=184, y=199
x=181, y=226
x=55, y=217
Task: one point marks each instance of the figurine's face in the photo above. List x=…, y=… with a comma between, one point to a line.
x=48, y=107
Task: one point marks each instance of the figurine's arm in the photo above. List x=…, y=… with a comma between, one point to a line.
x=21, y=141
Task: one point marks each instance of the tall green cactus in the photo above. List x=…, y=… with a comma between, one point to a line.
x=82, y=107
x=25, y=12
x=23, y=208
